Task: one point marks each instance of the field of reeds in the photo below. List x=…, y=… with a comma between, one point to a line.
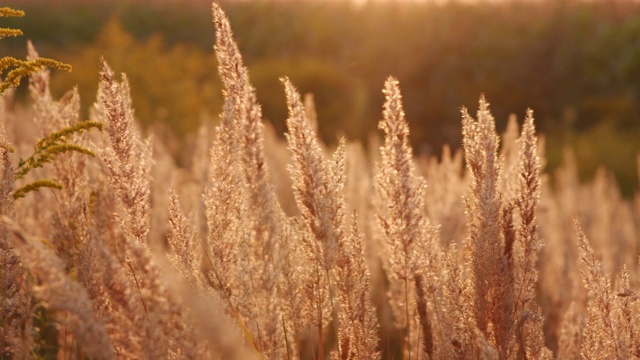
x=264, y=248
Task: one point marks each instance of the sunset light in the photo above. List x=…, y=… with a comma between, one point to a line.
x=320, y=179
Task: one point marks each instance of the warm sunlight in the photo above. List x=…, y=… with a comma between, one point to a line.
x=315, y=180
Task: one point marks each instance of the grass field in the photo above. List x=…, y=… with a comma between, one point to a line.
x=270, y=248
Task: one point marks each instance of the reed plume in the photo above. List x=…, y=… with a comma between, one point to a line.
x=486, y=250
x=357, y=321
x=526, y=271
x=401, y=218
x=61, y=295
x=319, y=193
x=265, y=229
x=318, y=190
x=184, y=243
x=15, y=297
x=490, y=245
x=600, y=334
x=127, y=158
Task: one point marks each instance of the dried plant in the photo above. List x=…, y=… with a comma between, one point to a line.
x=600, y=335
x=243, y=148
x=61, y=295
x=318, y=187
x=407, y=231
x=184, y=243
x=127, y=158
x=15, y=304
x=489, y=249
x=502, y=249
x=338, y=258
x=357, y=321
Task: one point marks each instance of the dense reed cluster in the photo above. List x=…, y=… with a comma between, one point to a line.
x=285, y=249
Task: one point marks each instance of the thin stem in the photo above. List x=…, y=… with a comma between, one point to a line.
x=286, y=340
x=234, y=312
x=319, y=307
x=135, y=279
x=406, y=310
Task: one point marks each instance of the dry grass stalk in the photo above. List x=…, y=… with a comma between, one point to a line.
x=186, y=257
x=627, y=301
x=570, y=341
x=318, y=192
x=127, y=158
x=295, y=287
x=15, y=297
x=222, y=338
x=600, y=335
x=357, y=320
x=66, y=299
x=464, y=340
x=447, y=182
x=528, y=197
x=265, y=228
x=46, y=110
x=489, y=253
x=310, y=110
x=509, y=155
x=69, y=170
x=318, y=189
x=404, y=225
x=502, y=249
x=165, y=314
x=127, y=161
x=115, y=299
x=224, y=209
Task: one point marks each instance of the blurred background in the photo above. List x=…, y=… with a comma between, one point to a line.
x=575, y=63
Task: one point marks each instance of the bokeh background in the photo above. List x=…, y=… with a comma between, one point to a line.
x=576, y=63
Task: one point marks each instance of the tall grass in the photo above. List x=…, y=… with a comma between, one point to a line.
x=355, y=254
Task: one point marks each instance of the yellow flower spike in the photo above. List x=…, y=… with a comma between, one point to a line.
x=21, y=68
x=9, y=12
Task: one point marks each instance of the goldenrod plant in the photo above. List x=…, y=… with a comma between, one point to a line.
x=18, y=69
x=56, y=143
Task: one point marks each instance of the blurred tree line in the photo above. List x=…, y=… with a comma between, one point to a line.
x=577, y=64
